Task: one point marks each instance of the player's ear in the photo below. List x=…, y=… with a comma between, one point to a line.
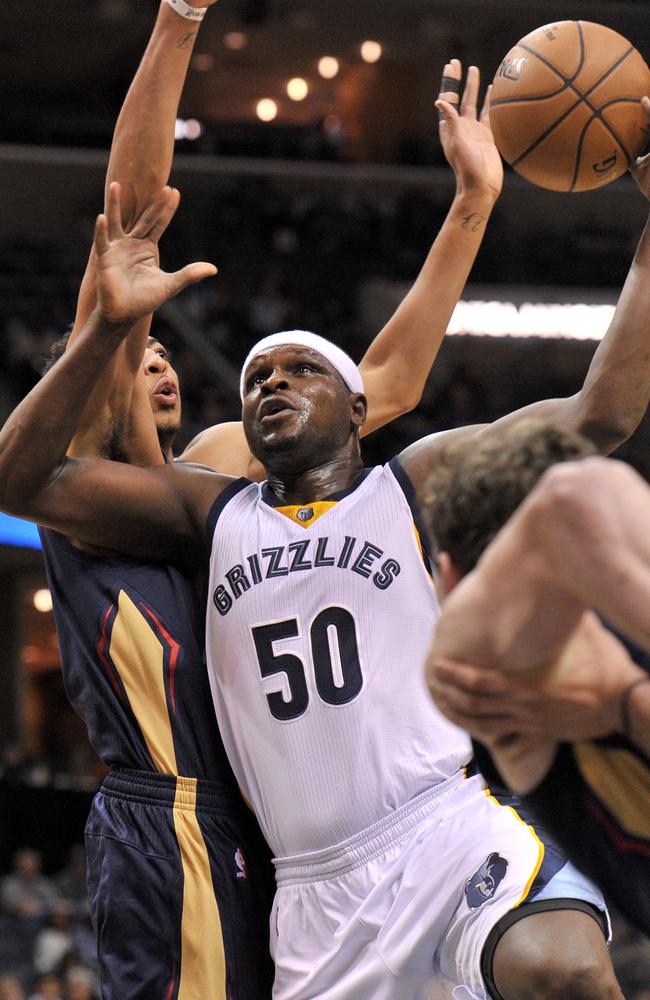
x=358, y=409
x=449, y=575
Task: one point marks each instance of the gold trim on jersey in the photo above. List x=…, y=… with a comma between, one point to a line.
x=307, y=514
x=138, y=656
x=621, y=781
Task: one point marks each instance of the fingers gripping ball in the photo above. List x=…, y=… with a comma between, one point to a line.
x=565, y=109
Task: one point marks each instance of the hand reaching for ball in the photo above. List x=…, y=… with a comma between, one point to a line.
x=465, y=136
x=640, y=169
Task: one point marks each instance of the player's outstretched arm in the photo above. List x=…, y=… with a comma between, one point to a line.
x=140, y=159
x=150, y=512
x=397, y=363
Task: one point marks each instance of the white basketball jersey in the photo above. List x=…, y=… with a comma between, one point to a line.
x=319, y=619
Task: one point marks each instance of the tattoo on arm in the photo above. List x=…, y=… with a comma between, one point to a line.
x=185, y=41
x=472, y=222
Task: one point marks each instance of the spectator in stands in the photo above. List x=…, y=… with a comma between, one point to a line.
x=47, y=988
x=26, y=892
x=11, y=988
x=54, y=941
x=71, y=881
x=80, y=984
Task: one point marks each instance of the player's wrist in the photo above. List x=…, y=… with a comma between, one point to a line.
x=187, y=10
x=478, y=198
x=111, y=324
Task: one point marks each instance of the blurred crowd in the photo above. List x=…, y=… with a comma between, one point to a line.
x=47, y=945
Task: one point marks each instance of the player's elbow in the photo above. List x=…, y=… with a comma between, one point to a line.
x=405, y=396
x=22, y=488
x=565, y=504
x=606, y=422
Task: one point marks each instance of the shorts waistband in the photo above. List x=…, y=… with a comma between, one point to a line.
x=194, y=794
x=372, y=842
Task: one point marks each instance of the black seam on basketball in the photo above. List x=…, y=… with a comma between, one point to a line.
x=576, y=169
x=526, y=100
x=567, y=80
x=612, y=128
x=582, y=99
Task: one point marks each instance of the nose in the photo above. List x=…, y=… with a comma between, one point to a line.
x=275, y=381
x=155, y=365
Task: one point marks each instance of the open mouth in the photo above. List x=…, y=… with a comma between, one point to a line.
x=166, y=393
x=271, y=410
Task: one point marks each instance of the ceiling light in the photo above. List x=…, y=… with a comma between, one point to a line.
x=328, y=67
x=42, y=600
x=267, y=110
x=550, y=320
x=297, y=89
x=202, y=62
x=235, y=40
x=371, y=52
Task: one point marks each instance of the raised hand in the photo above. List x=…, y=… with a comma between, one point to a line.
x=466, y=137
x=640, y=169
x=130, y=284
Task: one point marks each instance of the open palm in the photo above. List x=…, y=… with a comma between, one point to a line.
x=130, y=284
x=465, y=135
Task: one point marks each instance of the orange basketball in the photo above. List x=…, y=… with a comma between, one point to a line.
x=565, y=108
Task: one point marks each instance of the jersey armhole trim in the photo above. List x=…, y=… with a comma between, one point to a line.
x=222, y=500
x=410, y=495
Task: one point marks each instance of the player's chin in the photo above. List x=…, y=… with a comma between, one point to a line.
x=168, y=420
x=279, y=441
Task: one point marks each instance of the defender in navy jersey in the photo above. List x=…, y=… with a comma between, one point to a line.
x=178, y=872
x=571, y=738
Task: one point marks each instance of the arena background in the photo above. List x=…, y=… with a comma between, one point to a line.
x=320, y=217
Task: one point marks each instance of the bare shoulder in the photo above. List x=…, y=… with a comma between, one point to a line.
x=222, y=447
x=420, y=459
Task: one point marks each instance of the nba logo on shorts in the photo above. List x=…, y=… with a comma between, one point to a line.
x=484, y=883
x=240, y=861
x=305, y=514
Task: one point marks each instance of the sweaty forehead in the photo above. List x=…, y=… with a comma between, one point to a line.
x=285, y=354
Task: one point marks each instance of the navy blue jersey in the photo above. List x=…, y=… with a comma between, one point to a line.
x=131, y=639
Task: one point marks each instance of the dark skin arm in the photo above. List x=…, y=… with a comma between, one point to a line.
x=159, y=511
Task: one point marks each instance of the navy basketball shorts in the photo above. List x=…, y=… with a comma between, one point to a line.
x=180, y=885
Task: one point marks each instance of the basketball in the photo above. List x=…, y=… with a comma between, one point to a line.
x=565, y=109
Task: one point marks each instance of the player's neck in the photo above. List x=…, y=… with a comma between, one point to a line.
x=317, y=482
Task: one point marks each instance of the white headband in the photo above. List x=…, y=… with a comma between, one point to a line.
x=338, y=359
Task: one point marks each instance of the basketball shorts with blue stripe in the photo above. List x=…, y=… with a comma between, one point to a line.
x=412, y=908
x=180, y=887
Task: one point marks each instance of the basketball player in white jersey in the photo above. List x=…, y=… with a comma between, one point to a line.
x=397, y=873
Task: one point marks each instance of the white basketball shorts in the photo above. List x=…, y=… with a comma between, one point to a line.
x=402, y=911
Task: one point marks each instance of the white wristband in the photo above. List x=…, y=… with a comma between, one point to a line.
x=184, y=9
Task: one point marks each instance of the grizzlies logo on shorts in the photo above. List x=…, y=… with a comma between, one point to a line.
x=484, y=883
